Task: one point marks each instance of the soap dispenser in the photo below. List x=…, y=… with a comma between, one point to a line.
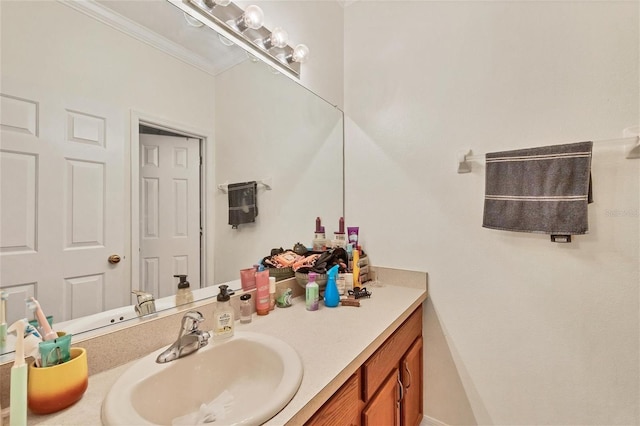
x=223, y=317
x=331, y=295
x=184, y=294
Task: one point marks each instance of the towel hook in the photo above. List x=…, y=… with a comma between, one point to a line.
x=463, y=164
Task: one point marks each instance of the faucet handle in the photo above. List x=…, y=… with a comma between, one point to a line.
x=191, y=320
x=146, y=303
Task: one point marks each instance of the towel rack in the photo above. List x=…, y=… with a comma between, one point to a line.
x=464, y=158
x=266, y=183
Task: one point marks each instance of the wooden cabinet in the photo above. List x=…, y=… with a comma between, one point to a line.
x=384, y=408
x=411, y=379
x=343, y=408
x=387, y=389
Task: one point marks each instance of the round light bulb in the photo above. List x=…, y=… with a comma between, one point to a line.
x=225, y=40
x=253, y=17
x=279, y=37
x=192, y=21
x=300, y=53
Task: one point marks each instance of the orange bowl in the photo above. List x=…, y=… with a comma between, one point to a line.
x=51, y=389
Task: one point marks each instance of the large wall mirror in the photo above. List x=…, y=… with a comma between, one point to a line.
x=121, y=127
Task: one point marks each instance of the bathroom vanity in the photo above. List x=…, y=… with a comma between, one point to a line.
x=357, y=361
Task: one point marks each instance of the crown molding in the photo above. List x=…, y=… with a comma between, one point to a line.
x=135, y=30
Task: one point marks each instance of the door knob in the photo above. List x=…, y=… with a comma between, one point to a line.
x=114, y=258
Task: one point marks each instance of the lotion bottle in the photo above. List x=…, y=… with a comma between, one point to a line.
x=262, y=293
x=312, y=292
x=223, y=317
x=272, y=293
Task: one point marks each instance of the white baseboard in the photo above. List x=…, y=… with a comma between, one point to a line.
x=430, y=421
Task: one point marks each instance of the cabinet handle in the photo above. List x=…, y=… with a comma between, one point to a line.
x=406, y=368
x=401, y=389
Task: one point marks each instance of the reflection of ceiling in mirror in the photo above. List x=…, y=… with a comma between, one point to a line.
x=167, y=22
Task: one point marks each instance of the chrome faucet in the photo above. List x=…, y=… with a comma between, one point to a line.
x=146, y=303
x=190, y=339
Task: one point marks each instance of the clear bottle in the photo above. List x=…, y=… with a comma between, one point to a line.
x=223, y=317
x=312, y=293
x=245, y=309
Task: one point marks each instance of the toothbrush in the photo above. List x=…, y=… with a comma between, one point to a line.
x=18, y=391
x=47, y=332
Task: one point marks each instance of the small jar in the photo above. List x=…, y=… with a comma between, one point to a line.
x=245, y=309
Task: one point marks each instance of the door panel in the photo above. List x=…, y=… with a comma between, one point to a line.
x=169, y=212
x=383, y=409
x=62, y=188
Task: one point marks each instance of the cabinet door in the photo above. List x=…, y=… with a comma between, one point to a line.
x=343, y=408
x=384, y=408
x=411, y=375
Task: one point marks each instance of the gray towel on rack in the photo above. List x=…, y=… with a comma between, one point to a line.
x=543, y=190
x=243, y=203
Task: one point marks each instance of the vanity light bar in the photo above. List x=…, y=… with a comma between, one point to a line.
x=222, y=18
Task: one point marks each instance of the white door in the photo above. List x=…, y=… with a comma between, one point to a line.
x=62, y=192
x=170, y=234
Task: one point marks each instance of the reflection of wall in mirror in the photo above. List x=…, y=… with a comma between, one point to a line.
x=289, y=134
x=85, y=77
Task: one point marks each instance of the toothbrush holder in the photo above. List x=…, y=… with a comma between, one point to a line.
x=51, y=389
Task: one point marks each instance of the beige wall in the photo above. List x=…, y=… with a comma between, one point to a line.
x=519, y=330
x=286, y=134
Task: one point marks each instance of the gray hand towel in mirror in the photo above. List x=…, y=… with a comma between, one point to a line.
x=243, y=203
x=542, y=190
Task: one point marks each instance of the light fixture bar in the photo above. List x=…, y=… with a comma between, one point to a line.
x=217, y=18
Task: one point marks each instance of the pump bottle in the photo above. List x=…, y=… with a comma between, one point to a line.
x=183, y=295
x=223, y=317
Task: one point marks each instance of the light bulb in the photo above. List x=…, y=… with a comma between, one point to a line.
x=192, y=21
x=253, y=17
x=300, y=53
x=225, y=40
x=277, y=38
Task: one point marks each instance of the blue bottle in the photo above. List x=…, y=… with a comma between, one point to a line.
x=331, y=295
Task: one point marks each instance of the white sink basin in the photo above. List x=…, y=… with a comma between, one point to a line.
x=262, y=374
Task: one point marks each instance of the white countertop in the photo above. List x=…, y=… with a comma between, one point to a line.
x=332, y=343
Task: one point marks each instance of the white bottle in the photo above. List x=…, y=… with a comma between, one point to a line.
x=223, y=317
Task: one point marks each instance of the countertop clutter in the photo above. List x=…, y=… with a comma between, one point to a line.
x=332, y=344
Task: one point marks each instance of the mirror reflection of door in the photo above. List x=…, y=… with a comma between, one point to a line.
x=170, y=225
x=62, y=208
